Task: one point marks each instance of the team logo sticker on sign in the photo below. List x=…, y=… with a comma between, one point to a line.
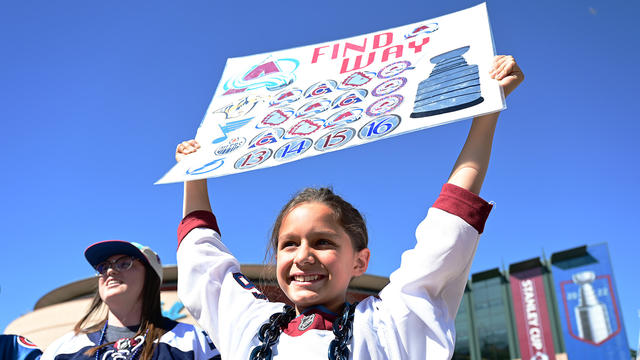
x=231, y=145
x=320, y=88
x=384, y=105
x=314, y=107
x=389, y=86
x=276, y=117
x=394, y=69
x=206, y=168
x=286, y=97
x=349, y=98
x=343, y=117
x=356, y=80
x=304, y=127
x=266, y=137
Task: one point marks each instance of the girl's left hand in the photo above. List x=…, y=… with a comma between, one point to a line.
x=507, y=72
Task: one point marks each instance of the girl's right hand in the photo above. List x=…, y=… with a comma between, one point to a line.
x=186, y=148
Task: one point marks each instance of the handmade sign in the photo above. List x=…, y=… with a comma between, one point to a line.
x=284, y=106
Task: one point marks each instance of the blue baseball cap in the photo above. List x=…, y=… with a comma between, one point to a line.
x=102, y=250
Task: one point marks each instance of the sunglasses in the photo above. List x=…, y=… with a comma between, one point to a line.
x=120, y=264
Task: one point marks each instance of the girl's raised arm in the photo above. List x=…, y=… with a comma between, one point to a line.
x=196, y=194
x=471, y=167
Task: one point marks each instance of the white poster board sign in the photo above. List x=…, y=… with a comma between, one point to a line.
x=283, y=106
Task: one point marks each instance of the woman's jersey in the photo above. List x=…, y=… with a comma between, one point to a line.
x=182, y=342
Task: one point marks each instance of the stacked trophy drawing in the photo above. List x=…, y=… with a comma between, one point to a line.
x=452, y=85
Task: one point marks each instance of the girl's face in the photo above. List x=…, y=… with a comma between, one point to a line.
x=316, y=260
x=122, y=288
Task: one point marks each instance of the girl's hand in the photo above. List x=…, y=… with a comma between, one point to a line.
x=507, y=72
x=186, y=148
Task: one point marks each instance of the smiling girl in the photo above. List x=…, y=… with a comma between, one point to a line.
x=320, y=244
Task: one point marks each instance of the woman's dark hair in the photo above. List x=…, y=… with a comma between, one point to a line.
x=150, y=317
x=347, y=216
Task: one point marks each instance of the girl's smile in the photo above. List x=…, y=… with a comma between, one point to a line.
x=316, y=259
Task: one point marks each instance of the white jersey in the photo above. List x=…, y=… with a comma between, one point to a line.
x=181, y=342
x=413, y=318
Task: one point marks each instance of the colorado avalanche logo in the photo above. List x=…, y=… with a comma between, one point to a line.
x=357, y=79
x=315, y=107
x=349, y=98
x=320, y=88
x=422, y=29
x=272, y=75
x=344, y=117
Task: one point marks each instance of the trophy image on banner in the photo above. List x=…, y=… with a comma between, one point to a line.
x=592, y=316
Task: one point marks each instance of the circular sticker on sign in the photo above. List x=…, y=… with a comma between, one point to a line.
x=209, y=167
x=379, y=127
x=343, y=117
x=349, y=98
x=266, y=137
x=285, y=97
x=292, y=149
x=313, y=107
x=389, y=86
x=385, y=105
x=394, y=69
x=230, y=145
x=320, y=88
x=334, y=139
x=253, y=159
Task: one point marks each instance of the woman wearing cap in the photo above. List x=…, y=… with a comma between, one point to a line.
x=129, y=279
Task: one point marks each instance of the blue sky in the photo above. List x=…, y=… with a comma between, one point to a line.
x=94, y=97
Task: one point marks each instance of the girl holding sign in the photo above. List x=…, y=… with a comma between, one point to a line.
x=320, y=243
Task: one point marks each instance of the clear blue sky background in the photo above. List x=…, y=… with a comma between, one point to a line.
x=95, y=95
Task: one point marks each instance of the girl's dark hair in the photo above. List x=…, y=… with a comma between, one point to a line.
x=347, y=216
x=150, y=319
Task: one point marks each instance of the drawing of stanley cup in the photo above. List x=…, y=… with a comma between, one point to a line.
x=592, y=316
x=452, y=85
